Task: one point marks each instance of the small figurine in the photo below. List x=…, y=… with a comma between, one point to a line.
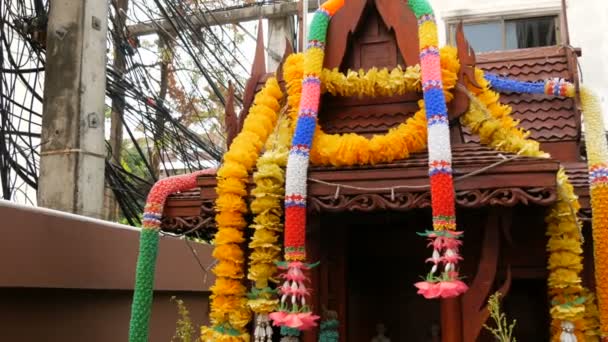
x=380, y=330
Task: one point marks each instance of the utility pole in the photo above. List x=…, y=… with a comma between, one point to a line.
x=118, y=103
x=72, y=158
x=278, y=30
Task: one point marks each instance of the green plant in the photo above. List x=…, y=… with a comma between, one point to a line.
x=184, y=331
x=503, y=331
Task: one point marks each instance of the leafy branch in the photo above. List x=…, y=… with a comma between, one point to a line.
x=185, y=330
x=503, y=331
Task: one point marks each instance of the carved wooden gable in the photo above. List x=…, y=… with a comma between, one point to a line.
x=366, y=34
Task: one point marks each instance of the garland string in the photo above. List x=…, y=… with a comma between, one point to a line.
x=294, y=312
x=267, y=224
x=141, y=307
x=229, y=312
x=444, y=238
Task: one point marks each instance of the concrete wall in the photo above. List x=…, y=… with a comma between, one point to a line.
x=588, y=22
x=68, y=278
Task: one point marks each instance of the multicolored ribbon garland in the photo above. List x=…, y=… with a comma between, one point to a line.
x=141, y=307
x=294, y=311
x=552, y=86
x=444, y=238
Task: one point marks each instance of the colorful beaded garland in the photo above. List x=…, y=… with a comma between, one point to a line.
x=444, y=239
x=141, y=307
x=294, y=312
x=552, y=86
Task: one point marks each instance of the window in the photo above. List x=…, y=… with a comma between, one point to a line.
x=508, y=34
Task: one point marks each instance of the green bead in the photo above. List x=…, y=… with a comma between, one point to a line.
x=318, y=27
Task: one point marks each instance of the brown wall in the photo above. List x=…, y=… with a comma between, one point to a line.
x=68, y=278
x=39, y=315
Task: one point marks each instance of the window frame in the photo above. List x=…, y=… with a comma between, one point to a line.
x=451, y=23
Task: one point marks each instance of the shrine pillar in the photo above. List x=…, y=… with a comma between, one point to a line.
x=451, y=320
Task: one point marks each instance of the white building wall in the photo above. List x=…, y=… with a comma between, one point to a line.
x=587, y=21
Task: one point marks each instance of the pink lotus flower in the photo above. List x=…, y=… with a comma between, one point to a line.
x=278, y=318
x=300, y=321
x=308, y=320
x=450, y=243
x=437, y=243
x=441, y=289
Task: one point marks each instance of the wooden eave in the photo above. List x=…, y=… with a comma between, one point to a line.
x=527, y=181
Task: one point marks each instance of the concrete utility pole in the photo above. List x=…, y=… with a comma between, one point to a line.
x=72, y=157
x=278, y=30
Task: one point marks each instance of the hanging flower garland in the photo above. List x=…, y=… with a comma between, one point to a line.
x=591, y=320
x=495, y=126
x=597, y=159
x=353, y=149
x=267, y=224
x=141, y=307
x=229, y=313
x=294, y=311
x=444, y=238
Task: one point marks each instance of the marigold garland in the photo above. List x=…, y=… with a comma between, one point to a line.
x=597, y=159
x=229, y=313
x=493, y=123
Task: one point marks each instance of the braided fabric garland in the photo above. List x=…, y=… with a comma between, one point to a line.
x=552, y=86
x=597, y=159
x=141, y=307
x=444, y=239
x=294, y=312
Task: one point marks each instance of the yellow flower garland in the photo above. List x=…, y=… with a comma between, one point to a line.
x=493, y=123
x=229, y=313
x=268, y=210
x=354, y=149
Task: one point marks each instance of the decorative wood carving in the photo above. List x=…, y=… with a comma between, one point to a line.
x=466, y=55
x=180, y=225
x=506, y=197
x=473, y=301
x=412, y=200
x=398, y=17
x=231, y=121
x=349, y=20
x=342, y=27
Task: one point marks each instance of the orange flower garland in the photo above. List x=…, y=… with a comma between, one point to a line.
x=597, y=159
x=229, y=313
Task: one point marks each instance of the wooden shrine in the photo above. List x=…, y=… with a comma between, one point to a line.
x=361, y=236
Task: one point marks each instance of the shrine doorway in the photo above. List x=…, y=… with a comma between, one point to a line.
x=370, y=261
x=368, y=267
